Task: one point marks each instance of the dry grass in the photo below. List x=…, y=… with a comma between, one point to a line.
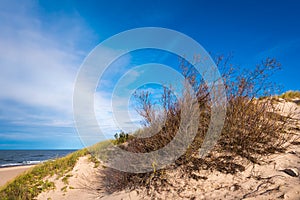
x=251, y=128
x=290, y=95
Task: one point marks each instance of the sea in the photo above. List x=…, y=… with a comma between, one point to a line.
x=10, y=158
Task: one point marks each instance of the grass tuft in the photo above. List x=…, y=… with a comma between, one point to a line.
x=290, y=96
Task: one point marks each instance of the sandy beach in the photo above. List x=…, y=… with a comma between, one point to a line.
x=9, y=173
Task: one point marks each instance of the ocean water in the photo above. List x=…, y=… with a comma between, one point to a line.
x=10, y=158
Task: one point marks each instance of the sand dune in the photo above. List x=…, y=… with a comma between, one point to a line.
x=276, y=177
x=265, y=181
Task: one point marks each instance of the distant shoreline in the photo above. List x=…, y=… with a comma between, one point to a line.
x=15, y=158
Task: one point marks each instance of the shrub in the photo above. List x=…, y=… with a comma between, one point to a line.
x=252, y=128
x=120, y=138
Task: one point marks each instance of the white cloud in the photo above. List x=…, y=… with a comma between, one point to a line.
x=39, y=59
x=38, y=62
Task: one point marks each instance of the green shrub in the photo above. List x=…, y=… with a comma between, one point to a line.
x=120, y=138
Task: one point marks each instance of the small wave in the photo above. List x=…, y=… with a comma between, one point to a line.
x=30, y=162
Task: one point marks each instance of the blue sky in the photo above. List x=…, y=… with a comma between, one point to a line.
x=43, y=43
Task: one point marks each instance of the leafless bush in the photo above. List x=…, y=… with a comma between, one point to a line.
x=252, y=128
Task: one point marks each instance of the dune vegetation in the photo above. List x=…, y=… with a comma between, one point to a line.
x=34, y=181
x=29, y=184
x=252, y=129
x=293, y=96
x=289, y=95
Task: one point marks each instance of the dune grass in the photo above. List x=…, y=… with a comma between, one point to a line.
x=290, y=95
x=99, y=150
x=29, y=184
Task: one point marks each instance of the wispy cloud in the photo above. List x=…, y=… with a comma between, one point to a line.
x=40, y=54
x=38, y=62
